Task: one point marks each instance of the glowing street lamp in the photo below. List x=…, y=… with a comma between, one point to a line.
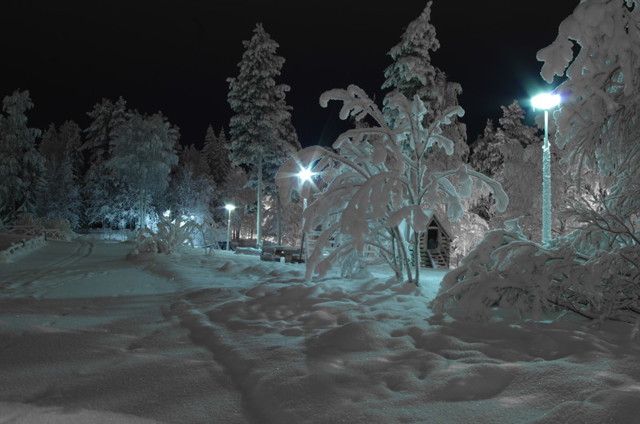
x=305, y=175
x=229, y=208
x=545, y=102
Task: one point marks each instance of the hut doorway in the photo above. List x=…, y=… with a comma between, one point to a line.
x=432, y=238
x=435, y=245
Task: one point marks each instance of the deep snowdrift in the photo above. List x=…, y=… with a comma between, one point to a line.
x=88, y=334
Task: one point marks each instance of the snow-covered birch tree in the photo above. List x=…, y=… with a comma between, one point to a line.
x=377, y=178
x=260, y=129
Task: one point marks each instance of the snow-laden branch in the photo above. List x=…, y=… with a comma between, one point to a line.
x=377, y=181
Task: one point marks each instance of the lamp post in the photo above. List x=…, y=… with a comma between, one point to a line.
x=305, y=175
x=545, y=102
x=230, y=209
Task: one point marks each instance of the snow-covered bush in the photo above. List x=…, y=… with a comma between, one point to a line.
x=594, y=272
x=506, y=271
x=377, y=179
x=168, y=238
x=354, y=265
x=27, y=220
x=209, y=233
x=61, y=226
x=471, y=229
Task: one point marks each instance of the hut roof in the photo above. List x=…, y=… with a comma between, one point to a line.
x=434, y=218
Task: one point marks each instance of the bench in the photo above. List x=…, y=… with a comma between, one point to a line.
x=216, y=245
x=276, y=253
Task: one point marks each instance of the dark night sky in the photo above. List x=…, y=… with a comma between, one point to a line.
x=175, y=56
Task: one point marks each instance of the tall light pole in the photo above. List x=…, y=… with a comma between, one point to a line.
x=230, y=208
x=305, y=175
x=545, y=102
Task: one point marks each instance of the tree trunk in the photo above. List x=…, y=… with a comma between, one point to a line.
x=416, y=256
x=278, y=220
x=404, y=254
x=395, y=254
x=259, y=206
x=141, y=210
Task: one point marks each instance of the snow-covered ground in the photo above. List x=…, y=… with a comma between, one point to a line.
x=90, y=334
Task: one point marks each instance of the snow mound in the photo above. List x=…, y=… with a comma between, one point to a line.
x=352, y=337
x=18, y=413
x=365, y=351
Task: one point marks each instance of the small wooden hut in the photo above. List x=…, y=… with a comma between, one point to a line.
x=435, y=245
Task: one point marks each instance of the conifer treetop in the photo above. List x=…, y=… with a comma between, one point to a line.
x=412, y=69
x=256, y=100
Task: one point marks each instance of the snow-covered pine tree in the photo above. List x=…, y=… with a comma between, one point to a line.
x=216, y=153
x=449, y=92
x=519, y=147
x=485, y=154
x=106, y=117
x=143, y=152
x=71, y=134
x=285, y=149
x=22, y=168
x=60, y=149
x=379, y=178
x=236, y=192
x=511, y=153
x=513, y=128
x=103, y=194
x=260, y=128
x=412, y=73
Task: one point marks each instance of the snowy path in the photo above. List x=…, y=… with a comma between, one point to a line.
x=89, y=335
x=82, y=329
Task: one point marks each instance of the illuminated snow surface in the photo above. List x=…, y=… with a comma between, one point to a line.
x=89, y=335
